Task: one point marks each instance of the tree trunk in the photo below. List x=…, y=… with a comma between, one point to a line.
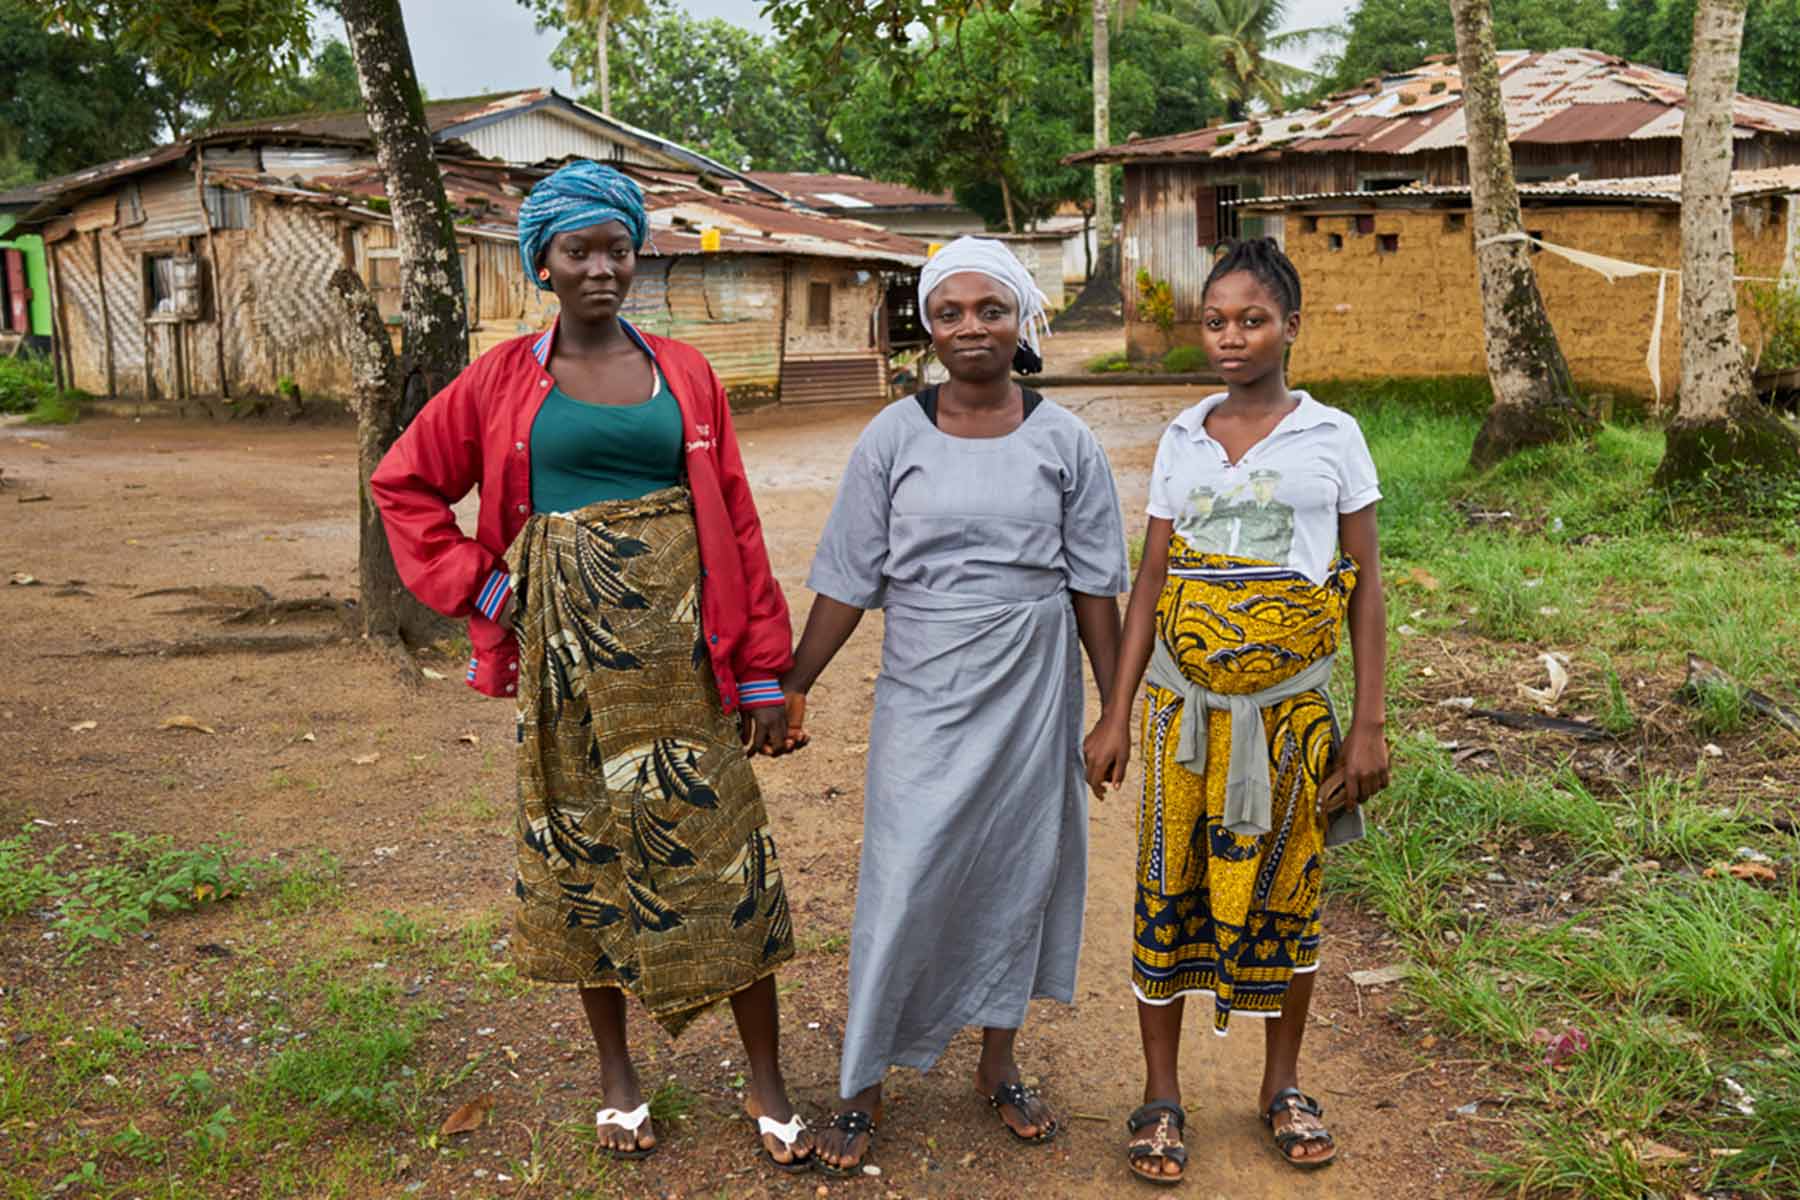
x=1103, y=199
x=1006, y=197
x=388, y=609
x=1720, y=430
x=434, y=326
x=603, y=57
x=1534, y=394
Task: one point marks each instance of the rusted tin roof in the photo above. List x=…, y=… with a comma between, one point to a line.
x=1556, y=96
x=1652, y=189
x=486, y=197
x=846, y=193
x=448, y=119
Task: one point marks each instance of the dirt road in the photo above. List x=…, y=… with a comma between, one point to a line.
x=424, y=828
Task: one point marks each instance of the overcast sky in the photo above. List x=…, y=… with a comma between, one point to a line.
x=468, y=47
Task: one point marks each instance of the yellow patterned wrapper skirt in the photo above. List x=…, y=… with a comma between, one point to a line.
x=1217, y=913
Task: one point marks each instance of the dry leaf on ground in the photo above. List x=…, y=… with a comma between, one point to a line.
x=1423, y=578
x=83, y=726
x=363, y=760
x=183, y=721
x=1547, y=697
x=471, y=738
x=428, y=673
x=468, y=1117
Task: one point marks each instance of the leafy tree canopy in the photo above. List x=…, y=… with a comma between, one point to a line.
x=989, y=112
x=716, y=87
x=69, y=102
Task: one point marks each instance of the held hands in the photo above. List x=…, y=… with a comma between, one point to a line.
x=1106, y=752
x=773, y=729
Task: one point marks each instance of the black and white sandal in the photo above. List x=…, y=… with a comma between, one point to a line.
x=1295, y=1102
x=1018, y=1096
x=630, y=1122
x=852, y=1121
x=787, y=1133
x=1164, y=1142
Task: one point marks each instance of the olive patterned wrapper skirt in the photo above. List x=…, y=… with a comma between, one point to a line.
x=645, y=859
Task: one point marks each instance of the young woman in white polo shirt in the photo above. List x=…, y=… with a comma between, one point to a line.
x=1261, y=539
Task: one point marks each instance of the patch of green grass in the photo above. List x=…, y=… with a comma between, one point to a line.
x=57, y=408
x=1677, y=982
x=1108, y=364
x=672, y=1101
x=390, y=928
x=1721, y=707
x=1186, y=360
x=350, y=1064
x=308, y=885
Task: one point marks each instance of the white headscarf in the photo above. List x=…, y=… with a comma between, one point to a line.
x=985, y=256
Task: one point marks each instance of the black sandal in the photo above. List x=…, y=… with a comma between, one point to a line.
x=1162, y=1114
x=1293, y=1100
x=851, y=1121
x=1018, y=1096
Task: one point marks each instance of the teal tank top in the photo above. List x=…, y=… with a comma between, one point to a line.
x=585, y=453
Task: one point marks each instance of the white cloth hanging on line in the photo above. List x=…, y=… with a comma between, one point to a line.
x=1616, y=269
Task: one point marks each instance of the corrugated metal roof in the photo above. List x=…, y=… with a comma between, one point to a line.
x=850, y=191
x=1557, y=96
x=1663, y=189
x=487, y=196
x=447, y=118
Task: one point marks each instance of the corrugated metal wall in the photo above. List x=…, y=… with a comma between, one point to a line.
x=726, y=306
x=171, y=209
x=1161, y=236
x=287, y=161
x=535, y=136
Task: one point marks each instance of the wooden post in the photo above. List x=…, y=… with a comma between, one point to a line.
x=787, y=300
x=65, y=365
x=112, y=385
x=212, y=269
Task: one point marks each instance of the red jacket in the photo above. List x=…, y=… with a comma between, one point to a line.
x=477, y=433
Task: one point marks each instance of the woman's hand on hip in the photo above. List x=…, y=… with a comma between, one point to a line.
x=1107, y=752
x=764, y=729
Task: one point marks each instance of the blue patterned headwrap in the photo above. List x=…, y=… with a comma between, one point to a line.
x=581, y=194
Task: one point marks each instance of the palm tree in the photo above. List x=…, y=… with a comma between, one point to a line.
x=1243, y=33
x=577, y=18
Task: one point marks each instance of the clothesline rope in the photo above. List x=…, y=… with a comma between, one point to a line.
x=1616, y=269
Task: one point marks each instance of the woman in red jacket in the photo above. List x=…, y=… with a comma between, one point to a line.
x=617, y=586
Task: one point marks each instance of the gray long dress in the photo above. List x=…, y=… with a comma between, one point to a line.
x=974, y=857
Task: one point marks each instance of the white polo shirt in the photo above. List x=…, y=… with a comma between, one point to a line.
x=1280, y=503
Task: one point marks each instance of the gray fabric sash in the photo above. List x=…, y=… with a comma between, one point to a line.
x=1248, y=794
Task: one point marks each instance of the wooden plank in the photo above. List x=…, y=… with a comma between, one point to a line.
x=112, y=383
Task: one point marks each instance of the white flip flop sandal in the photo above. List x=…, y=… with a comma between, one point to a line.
x=630, y=1122
x=787, y=1133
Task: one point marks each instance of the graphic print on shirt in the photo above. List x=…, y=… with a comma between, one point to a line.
x=1245, y=520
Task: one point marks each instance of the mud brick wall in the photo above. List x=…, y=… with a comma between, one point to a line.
x=1400, y=297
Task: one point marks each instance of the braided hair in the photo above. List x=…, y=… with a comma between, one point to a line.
x=1262, y=257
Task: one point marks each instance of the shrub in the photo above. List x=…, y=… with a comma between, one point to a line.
x=1185, y=360
x=1777, y=309
x=1156, y=300
x=1108, y=364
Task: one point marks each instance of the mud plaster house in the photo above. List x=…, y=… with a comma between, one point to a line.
x=200, y=269
x=1390, y=290
x=1571, y=114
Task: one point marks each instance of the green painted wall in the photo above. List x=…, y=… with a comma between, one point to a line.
x=37, y=273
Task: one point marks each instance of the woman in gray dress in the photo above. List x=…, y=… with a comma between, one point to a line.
x=984, y=520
